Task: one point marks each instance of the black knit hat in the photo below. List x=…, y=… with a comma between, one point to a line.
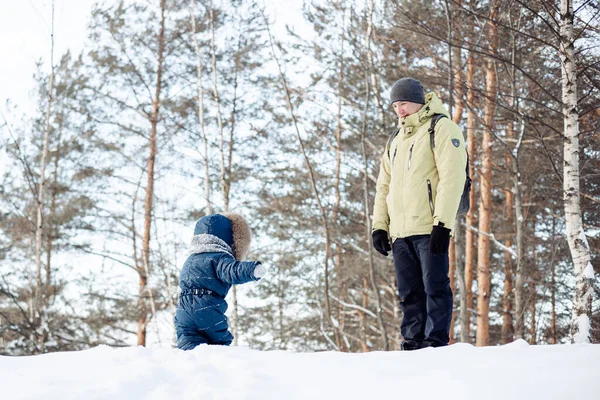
x=407, y=89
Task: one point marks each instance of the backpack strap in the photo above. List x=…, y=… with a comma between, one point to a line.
x=390, y=140
x=434, y=120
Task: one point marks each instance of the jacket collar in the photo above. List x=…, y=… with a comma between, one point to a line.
x=433, y=105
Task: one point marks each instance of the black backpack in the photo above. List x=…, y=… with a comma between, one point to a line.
x=465, y=203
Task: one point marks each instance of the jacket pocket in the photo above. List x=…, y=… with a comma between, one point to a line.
x=430, y=195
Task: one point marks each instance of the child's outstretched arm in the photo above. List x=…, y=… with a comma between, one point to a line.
x=237, y=272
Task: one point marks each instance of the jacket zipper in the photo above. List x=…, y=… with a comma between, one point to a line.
x=394, y=156
x=430, y=193
x=410, y=154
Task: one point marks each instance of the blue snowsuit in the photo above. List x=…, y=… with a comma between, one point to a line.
x=206, y=277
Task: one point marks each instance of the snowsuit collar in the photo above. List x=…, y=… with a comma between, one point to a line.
x=207, y=243
x=433, y=105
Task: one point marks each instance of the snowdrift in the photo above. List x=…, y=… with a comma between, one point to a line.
x=460, y=371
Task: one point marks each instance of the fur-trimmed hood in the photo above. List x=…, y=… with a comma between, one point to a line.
x=231, y=228
x=242, y=235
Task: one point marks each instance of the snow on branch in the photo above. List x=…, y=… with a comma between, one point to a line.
x=493, y=239
x=354, y=306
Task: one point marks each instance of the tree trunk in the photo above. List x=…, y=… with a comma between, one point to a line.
x=225, y=169
x=520, y=226
x=485, y=204
x=515, y=194
x=532, y=327
x=450, y=67
x=367, y=210
x=578, y=244
x=460, y=274
x=50, y=233
x=553, y=323
x=373, y=275
x=313, y=181
x=217, y=99
x=458, y=75
x=470, y=217
x=397, y=312
x=148, y=202
x=362, y=316
x=451, y=275
x=513, y=190
x=280, y=306
x=507, y=320
x=338, y=259
x=40, y=310
x=456, y=99
x=227, y=178
x=207, y=188
x=533, y=278
x=553, y=338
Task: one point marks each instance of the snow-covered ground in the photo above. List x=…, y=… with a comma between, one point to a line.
x=460, y=371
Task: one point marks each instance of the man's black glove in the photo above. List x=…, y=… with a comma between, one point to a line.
x=439, y=241
x=381, y=242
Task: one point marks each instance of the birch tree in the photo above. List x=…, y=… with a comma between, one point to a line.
x=578, y=244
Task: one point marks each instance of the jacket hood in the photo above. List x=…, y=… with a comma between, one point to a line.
x=231, y=228
x=433, y=105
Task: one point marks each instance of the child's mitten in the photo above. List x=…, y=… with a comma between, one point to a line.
x=260, y=271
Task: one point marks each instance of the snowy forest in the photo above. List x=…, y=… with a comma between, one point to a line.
x=178, y=109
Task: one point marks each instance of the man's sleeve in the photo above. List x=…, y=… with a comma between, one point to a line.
x=451, y=161
x=381, y=219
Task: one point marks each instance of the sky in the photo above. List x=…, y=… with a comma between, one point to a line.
x=25, y=27
x=515, y=371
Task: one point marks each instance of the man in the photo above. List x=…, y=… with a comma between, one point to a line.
x=418, y=193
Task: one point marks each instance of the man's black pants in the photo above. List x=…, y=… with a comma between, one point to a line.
x=424, y=290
